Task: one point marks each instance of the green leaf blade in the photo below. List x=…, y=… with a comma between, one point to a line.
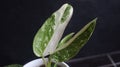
x=48, y=36
x=43, y=36
x=75, y=44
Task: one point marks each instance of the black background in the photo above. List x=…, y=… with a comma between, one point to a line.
x=20, y=20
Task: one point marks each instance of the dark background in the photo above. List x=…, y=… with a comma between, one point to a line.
x=20, y=20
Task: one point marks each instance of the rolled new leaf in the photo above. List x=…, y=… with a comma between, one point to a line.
x=48, y=36
x=73, y=46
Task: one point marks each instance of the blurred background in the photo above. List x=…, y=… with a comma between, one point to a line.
x=20, y=20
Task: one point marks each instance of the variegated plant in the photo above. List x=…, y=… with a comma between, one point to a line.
x=48, y=42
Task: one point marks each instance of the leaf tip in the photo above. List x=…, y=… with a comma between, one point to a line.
x=94, y=20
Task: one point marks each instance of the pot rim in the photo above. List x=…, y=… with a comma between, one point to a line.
x=38, y=62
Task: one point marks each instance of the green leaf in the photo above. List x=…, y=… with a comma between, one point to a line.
x=48, y=36
x=14, y=65
x=65, y=39
x=73, y=46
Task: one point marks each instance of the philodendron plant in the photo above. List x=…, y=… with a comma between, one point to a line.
x=48, y=43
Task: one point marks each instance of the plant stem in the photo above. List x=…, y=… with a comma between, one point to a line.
x=55, y=65
x=49, y=61
x=44, y=61
x=49, y=64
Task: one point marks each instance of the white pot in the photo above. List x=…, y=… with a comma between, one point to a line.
x=39, y=62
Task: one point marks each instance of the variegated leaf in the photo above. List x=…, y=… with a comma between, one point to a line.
x=72, y=47
x=48, y=36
